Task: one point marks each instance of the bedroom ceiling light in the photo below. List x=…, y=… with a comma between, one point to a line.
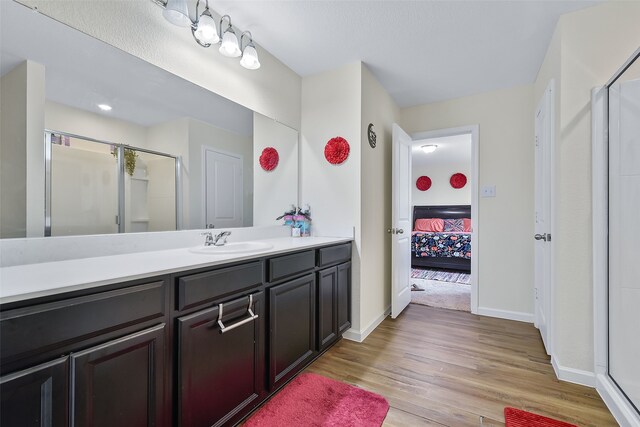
x=104, y=107
x=206, y=34
x=429, y=148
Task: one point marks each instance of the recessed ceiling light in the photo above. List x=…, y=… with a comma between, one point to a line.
x=104, y=107
x=429, y=148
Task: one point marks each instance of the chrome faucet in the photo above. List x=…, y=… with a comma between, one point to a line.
x=222, y=236
x=208, y=240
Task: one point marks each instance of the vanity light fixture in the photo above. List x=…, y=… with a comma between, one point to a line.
x=177, y=12
x=206, y=34
x=429, y=148
x=204, y=29
x=104, y=107
x=229, y=46
x=249, y=58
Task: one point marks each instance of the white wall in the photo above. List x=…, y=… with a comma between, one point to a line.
x=356, y=193
x=139, y=28
x=274, y=191
x=21, y=151
x=62, y=118
x=161, y=193
x=441, y=191
x=375, y=285
x=505, y=223
x=331, y=103
x=588, y=47
x=172, y=137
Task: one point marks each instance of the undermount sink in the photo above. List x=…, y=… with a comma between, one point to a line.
x=232, y=248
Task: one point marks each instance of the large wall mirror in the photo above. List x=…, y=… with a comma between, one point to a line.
x=94, y=140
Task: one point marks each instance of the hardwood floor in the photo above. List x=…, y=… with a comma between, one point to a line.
x=443, y=367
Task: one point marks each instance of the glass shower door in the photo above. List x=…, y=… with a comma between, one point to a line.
x=150, y=191
x=83, y=187
x=624, y=229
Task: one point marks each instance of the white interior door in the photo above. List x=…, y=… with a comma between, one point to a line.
x=401, y=222
x=223, y=189
x=542, y=272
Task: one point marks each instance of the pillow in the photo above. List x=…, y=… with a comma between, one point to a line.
x=429, y=224
x=456, y=225
x=467, y=225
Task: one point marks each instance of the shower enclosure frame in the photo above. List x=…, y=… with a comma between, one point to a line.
x=615, y=397
x=120, y=217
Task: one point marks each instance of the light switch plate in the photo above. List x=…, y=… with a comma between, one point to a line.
x=488, y=191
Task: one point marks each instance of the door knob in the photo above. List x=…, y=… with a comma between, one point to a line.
x=390, y=231
x=542, y=237
x=399, y=231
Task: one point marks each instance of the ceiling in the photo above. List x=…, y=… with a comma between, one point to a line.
x=451, y=149
x=420, y=51
x=82, y=72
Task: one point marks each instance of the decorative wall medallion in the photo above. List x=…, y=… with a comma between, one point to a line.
x=269, y=159
x=371, y=135
x=458, y=180
x=423, y=183
x=337, y=150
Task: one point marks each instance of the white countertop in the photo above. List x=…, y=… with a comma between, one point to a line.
x=23, y=282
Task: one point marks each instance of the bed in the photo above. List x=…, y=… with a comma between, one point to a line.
x=449, y=250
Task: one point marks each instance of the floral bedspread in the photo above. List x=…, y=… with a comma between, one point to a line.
x=426, y=244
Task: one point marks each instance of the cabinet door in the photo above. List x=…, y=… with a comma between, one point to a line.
x=344, y=297
x=292, y=328
x=35, y=397
x=120, y=383
x=221, y=375
x=327, y=307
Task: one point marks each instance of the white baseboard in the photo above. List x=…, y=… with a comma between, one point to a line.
x=506, y=314
x=359, y=336
x=576, y=376
x=620, y=408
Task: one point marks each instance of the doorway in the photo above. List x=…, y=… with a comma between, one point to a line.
x=444, y=269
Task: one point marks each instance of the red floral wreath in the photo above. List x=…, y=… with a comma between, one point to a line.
x=269, y=159
x=423, y=183
x=458, y=180
x=337, y=150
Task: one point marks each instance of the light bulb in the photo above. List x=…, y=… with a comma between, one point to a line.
x=429, y=148
x=229, y=46
x=177, y=13
x=250, y=58
x=206, y=31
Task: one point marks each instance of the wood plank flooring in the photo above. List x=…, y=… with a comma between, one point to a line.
x=442, y=367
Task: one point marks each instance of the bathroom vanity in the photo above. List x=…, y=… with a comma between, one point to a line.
x=196, y=346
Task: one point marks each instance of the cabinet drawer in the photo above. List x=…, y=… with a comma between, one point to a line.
x=203, y=287
x=334, y=255
x=47, y=326
x=290, y=265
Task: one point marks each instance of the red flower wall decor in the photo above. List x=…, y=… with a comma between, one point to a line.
x=337, y=150
x=269, y=159
x=423, y=183
x=458, y=180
